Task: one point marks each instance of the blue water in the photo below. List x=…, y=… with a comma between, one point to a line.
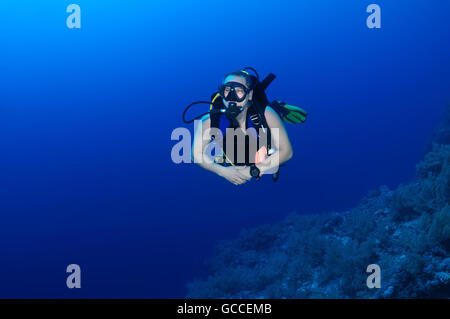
x=86, y=117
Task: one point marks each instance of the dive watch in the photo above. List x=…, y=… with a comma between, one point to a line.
x=254, y=171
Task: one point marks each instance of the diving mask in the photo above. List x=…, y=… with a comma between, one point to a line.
x=233, y=91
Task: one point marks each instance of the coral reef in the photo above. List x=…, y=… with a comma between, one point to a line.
x=405, y=231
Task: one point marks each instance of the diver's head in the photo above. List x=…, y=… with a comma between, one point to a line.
x=237, y=87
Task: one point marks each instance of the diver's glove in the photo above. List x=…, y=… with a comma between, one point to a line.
x=289, y=113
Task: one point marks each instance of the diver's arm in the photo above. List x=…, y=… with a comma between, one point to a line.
x=281, y=144
x=199, y=148
x=203, y=160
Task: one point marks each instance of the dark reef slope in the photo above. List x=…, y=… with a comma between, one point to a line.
x=405, y=231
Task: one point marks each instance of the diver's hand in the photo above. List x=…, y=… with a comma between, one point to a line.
x=235, y=175
x=245, y=170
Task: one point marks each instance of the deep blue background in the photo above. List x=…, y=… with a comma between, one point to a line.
x=86, y=118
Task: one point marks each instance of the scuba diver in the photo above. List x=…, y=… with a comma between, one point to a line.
x=247, y=130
